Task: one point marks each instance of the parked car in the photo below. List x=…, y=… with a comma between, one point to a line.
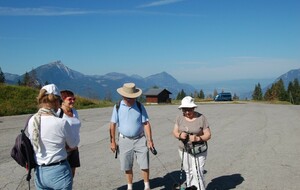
x=224, y=96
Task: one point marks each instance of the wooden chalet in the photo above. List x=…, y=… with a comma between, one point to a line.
x=157, y=95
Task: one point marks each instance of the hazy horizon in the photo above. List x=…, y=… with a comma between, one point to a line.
x=193, y=40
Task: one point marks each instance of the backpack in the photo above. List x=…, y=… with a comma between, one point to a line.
x=23, y=153
x=137, y=102
x=61, y=113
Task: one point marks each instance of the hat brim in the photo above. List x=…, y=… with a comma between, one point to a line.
x=130, y=95
x=187, y=106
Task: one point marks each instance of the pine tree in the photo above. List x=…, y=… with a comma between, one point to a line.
x=257, y=93
x=277, y=92
x=282, y=93
x=269, y=95
x=30, y=79
x=181, y=95
x=294, y=92
x=201, y=94
x=2, y=77
x=26, y=79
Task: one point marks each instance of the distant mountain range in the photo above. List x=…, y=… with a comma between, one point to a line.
x=99, y=86
x=286, y=78
x=104, y=86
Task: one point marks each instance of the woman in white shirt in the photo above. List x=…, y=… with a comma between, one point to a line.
x=69, y=113
x=49, y=135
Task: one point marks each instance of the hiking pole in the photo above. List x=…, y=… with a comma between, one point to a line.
x=196, y=165
x=162, y=164
x=181, y=169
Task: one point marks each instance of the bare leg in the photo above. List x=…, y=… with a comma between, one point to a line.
x=145, y=174
x=129, y=176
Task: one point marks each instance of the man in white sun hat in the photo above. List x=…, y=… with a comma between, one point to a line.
x=192, y=130
x=135, y=136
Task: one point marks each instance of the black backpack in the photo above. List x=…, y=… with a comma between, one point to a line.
x=23, y=153
x=137, y=102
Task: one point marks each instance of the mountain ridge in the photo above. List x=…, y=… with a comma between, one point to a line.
x=104, y=86
x=101, y=86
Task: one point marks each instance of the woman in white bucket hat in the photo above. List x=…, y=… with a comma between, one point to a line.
x=192, y=130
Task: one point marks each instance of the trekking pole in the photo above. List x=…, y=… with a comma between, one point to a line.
x=196, y=165
x=163, y=165
x=181, y=169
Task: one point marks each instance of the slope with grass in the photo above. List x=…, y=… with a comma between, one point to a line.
x=18, y=100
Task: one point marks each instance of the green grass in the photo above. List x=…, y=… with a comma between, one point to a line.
x=18, y=100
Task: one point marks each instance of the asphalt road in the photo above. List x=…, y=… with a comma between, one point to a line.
x=253, y=146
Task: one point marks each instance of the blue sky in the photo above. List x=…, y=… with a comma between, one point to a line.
x=193, y=40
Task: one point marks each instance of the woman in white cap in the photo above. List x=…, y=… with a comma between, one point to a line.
x=135, y=136
x=192, y=130
x=49, y=135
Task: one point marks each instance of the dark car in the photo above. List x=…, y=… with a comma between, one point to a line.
x=224, y=96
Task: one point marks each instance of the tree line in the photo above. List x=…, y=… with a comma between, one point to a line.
x=278, y=92
x=201, y=95
x=29, y=79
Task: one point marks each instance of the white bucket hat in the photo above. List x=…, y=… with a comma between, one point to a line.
x=129, y=91
x=187, y=102
x=51, y=89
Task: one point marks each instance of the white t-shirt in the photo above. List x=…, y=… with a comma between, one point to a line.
x=55, y=133
x=73, y=121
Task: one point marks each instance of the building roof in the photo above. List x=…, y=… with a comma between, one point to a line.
x=155, y=91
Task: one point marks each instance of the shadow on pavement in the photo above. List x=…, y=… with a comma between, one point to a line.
x=225, y=182
x=166, y=182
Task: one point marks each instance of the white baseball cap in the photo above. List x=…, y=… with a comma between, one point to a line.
x=51, y=89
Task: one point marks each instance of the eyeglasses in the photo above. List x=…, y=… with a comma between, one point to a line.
x=70, y=99
x=187, y=109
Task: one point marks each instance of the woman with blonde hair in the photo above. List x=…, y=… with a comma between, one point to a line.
x=49, y=135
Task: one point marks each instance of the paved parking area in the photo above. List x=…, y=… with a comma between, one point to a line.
x=253, y=146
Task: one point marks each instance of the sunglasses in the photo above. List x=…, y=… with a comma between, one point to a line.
x=130, y=98
x=187, y=109
x=70, y=99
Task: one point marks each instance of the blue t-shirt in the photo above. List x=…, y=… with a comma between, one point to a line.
x=129, y=119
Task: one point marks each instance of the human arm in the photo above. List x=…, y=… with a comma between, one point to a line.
x=112, y=135
x=204, y=137
x=148, y=131
x=180, y=135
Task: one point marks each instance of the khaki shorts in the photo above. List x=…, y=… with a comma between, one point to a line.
x=130, y=148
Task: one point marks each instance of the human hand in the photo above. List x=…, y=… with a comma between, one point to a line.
x=183, y=136
x=193, y=138
x=153, y=150
x=150, y=144
x=113, y=146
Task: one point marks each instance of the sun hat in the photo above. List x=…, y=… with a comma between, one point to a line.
x=187, y=102
x=129, y=90
x=51, y=89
